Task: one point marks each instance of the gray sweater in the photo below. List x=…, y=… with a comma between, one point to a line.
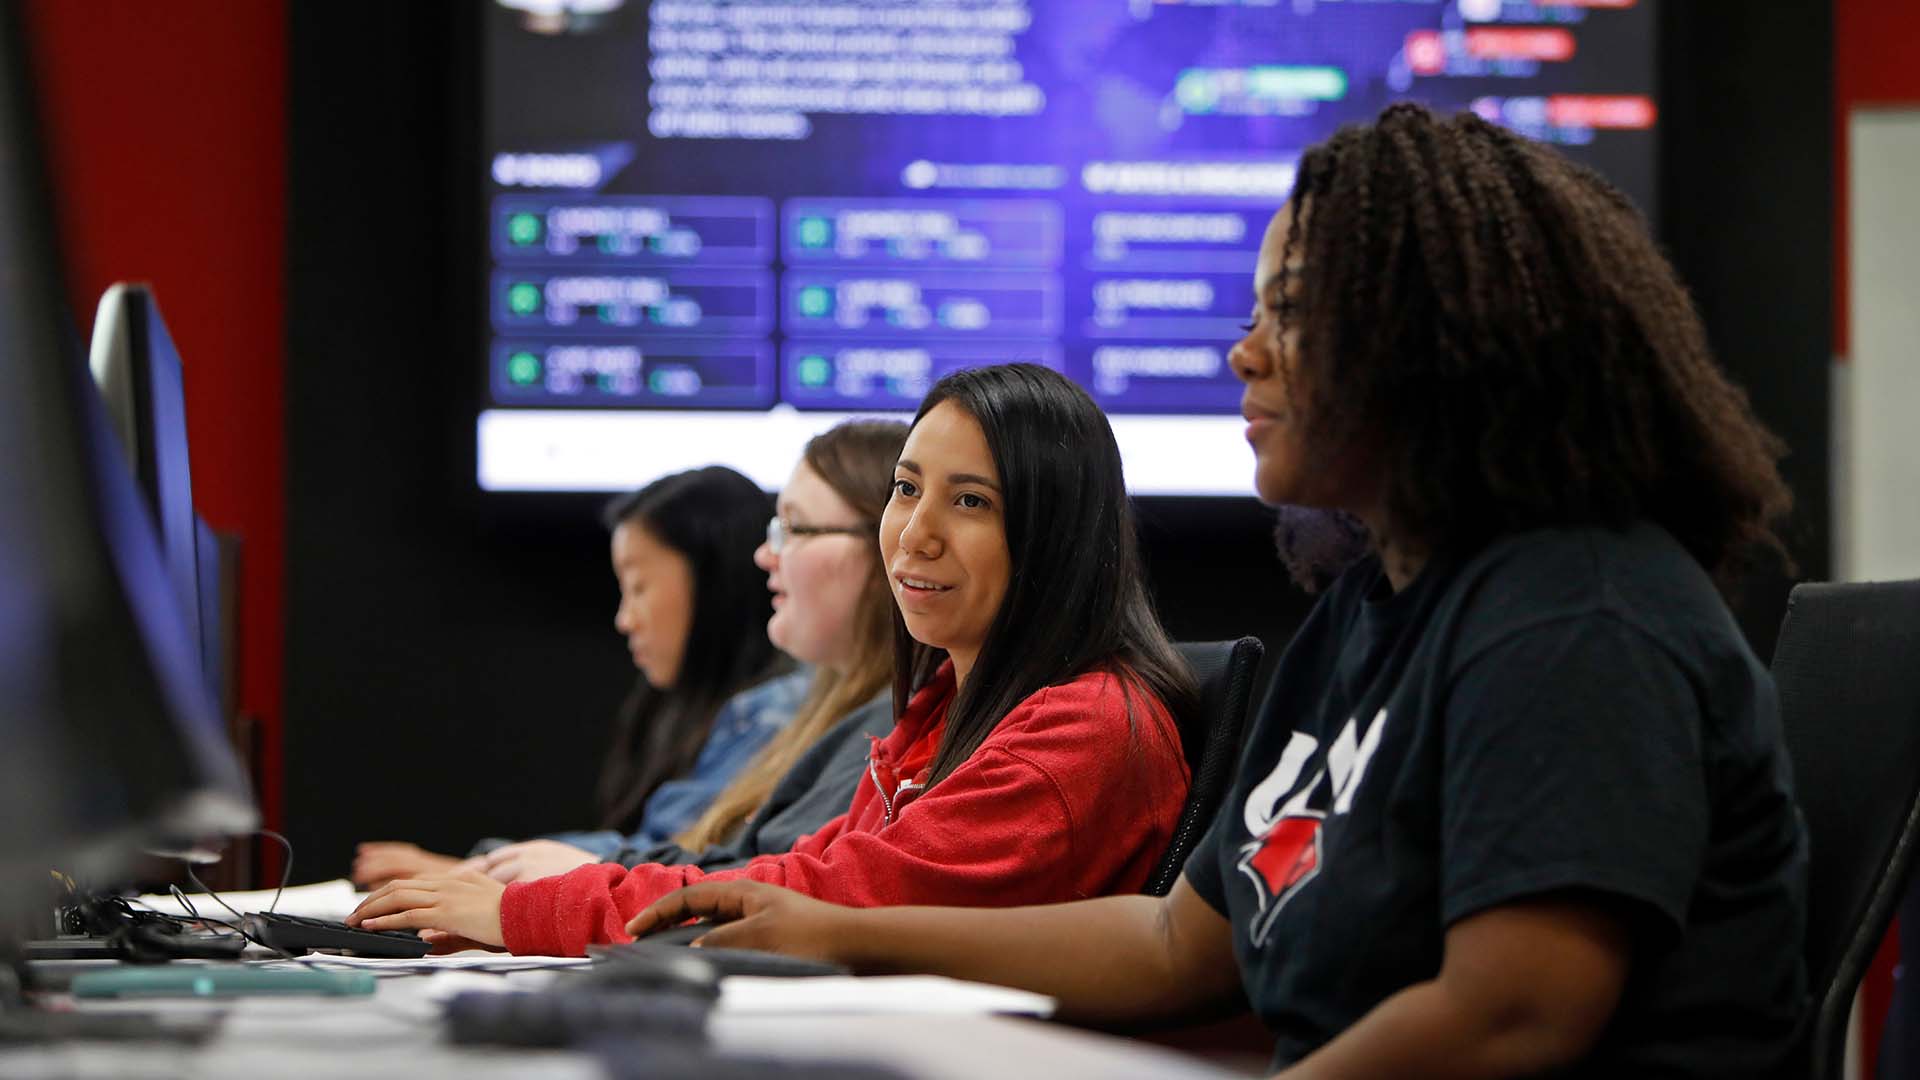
x=816, y=790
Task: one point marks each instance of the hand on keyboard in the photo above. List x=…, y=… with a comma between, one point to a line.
x=297, y=934
x=466, y=904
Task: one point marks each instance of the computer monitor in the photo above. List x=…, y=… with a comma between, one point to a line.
x=212, y=603
x=110, y=739
x=137, y=368
x=714, y=229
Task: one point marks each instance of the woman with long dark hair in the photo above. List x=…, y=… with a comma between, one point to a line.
x=1035, y=757
x=711, y=689
x=1517, y=802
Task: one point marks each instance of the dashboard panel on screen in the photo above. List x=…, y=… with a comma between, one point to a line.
x=716, y=228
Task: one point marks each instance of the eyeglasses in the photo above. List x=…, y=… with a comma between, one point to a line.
x=780, y=531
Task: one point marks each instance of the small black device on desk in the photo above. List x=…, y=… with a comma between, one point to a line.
x=675, y=941
x=664, y=994
x=140, y=944
x=37, y=1026
x=566, y=1017
x=299, y=934
x=684, y=972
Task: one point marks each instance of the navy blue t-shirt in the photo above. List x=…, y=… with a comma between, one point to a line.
x=1564, y=710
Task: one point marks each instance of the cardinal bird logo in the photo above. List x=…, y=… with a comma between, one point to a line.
x=1285, y=812
x=1281, y=863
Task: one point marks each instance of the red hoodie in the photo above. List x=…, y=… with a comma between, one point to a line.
x=1059, y=803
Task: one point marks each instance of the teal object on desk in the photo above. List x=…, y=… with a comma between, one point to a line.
x=208, y=981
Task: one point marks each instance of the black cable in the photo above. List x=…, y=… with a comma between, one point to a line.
x=286, y=875
x=286, y=869
x=174, y=891
x=125, y=909
x=152, y=914
x=136, y=916
x=214, y=896
x=132, y=916
x=237, y=927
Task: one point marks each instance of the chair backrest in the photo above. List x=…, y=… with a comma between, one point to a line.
x=1848, y=670
x=1223, y=673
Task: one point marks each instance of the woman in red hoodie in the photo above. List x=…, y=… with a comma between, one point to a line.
x=1035, y=758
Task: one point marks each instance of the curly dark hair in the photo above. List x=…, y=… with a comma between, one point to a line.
x=1499, y=325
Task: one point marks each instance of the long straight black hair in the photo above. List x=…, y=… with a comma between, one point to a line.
x=714, y=518
x=1077, y=598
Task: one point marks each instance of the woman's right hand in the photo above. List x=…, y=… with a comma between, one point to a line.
x=755, y=915
x=465, y=908
x=377, y=862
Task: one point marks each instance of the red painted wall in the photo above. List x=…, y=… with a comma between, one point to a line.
x=166, y=132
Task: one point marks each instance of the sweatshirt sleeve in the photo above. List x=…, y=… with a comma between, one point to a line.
x=996, y=833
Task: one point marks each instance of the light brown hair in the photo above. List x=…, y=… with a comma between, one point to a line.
x=856, y=460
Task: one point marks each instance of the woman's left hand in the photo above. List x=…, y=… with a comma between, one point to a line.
x=532, y=859
x=466, y=904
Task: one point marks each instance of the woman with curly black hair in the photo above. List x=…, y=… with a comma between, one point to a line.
x=1517, y=801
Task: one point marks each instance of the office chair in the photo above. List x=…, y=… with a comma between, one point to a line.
x=1223, y=674
x=1848, y=670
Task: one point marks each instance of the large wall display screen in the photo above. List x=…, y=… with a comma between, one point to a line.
x=715, y=228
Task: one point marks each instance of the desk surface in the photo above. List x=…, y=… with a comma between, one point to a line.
x=397, y=1032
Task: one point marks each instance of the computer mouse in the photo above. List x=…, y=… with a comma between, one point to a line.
x=675, y=939
x=684, y=934
x=643, y=966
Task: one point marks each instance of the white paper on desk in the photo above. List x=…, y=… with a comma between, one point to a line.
x=750, y=995
x=334, y=899
x=469, y=960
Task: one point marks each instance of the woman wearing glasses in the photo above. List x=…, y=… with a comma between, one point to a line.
x=1035, y=757
x=831, y=610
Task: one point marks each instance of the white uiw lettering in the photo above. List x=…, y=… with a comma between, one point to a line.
x=1261, y=809
x=1357, y=766
x=1281, y=794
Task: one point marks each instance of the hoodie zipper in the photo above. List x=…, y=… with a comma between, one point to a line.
x=886, y=801
x=907, y=787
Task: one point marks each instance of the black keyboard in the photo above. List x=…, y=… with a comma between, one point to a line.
x=298, y=934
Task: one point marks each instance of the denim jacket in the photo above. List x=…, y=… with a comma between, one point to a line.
x=744, y=724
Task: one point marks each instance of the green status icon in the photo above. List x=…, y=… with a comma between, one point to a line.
x=523, y=229
x=815, y=301
x=815, y=232
x=814, y=370
x=524, y=298
x=523, y=368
